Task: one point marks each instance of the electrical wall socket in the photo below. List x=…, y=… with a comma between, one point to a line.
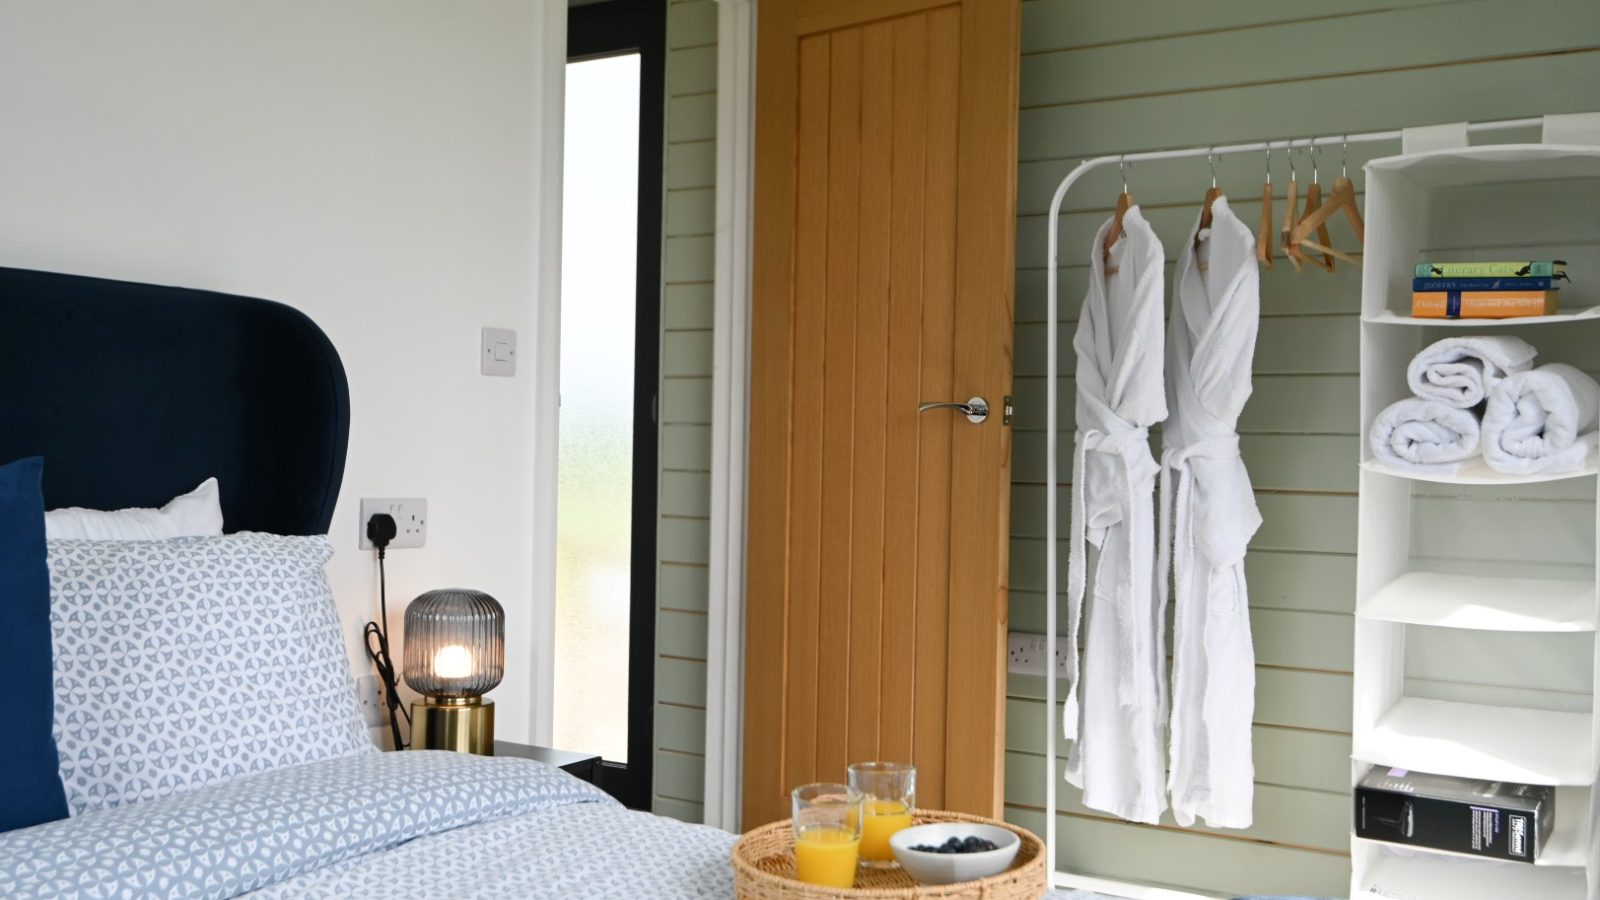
x=410, y=520
x=372, y=709
x=1025, y=654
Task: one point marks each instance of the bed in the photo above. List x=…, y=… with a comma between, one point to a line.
x=134, y=393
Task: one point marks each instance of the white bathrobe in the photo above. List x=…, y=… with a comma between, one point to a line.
x=1114, y=714
x=1208, y=512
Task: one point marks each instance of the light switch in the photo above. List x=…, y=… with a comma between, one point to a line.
x=498, y=353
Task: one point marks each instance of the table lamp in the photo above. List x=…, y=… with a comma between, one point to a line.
x=455, y=653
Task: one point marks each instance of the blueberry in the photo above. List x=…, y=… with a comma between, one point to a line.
x=956, y=844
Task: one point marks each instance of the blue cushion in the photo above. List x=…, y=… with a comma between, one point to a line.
x=30, y=776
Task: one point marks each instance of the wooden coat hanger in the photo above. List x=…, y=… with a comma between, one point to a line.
x=1313, y=202
x=1343, y=198
x=1205, y=209
x=1291, y=214
x=1124, y=203
x=1265, y=236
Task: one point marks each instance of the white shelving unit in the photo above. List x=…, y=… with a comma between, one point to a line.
x=1475, y=649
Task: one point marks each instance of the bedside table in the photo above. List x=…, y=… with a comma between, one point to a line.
x=583, y=765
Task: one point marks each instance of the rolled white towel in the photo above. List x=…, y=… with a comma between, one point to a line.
x=1462, y=371
x=1425, y=436
x=1541, y=421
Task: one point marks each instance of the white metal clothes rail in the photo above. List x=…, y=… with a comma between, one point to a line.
x=1052, y=367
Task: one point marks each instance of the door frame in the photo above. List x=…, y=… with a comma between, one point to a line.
x=550, y=97
x=730, y=424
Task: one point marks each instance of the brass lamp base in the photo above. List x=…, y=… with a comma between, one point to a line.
x=465, y=725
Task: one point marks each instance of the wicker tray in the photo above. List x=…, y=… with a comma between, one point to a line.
x=763, y=869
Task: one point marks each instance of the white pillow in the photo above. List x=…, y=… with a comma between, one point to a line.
x=195, y=514
x=179, y=663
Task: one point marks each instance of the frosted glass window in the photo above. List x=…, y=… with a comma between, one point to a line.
x=594, y=519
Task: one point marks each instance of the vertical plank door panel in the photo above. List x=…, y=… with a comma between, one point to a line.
x=898, y=644
x=809, y=379
x=871, y=409
x=839, y=397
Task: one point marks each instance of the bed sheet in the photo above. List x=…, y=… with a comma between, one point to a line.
x=415, y=824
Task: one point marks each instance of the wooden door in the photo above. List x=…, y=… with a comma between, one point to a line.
x=884, y=251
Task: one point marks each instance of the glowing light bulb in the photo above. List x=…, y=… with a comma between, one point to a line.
x=452, y=661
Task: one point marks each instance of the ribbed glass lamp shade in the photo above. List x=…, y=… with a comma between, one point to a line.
x=455, y=643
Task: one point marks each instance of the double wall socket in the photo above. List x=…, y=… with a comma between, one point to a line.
x=1026, y=655
x=410, y=520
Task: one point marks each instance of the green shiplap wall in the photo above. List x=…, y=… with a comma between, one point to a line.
x=1105, y=78
x=684, y=537
x=1101, y=77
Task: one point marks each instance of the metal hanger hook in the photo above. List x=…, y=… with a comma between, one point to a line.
x=1122, y=168
x=1294, y=173
x=1269, y=162
x=1316, y=176
x=1344, y=157
x=1211, y=163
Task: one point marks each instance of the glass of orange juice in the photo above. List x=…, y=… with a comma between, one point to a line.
x=827, y=834
x=890, y=792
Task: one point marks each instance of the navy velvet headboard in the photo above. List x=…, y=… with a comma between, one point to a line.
x=135, y=393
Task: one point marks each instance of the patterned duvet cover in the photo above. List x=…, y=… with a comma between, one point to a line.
x=390, y=825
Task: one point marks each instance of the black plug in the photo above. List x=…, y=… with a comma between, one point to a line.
x=381, y=529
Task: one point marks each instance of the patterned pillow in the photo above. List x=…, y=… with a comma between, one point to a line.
x=183, y=662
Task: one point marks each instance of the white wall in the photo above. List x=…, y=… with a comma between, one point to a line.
x=375, y=163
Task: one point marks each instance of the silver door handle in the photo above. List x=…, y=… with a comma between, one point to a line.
x=976, y=409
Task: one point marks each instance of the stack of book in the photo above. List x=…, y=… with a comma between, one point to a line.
x=1486, y=290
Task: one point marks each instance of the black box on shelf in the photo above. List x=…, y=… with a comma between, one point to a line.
x=1495, y=819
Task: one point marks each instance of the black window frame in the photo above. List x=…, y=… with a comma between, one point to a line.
x=594, y=31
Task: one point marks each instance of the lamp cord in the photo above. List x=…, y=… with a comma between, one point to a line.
x=381, y=660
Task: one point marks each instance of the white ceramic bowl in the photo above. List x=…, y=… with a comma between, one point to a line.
x=949, y=868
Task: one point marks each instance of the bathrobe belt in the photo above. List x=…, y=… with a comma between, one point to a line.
x=1129, y=446
x=1175, y=467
